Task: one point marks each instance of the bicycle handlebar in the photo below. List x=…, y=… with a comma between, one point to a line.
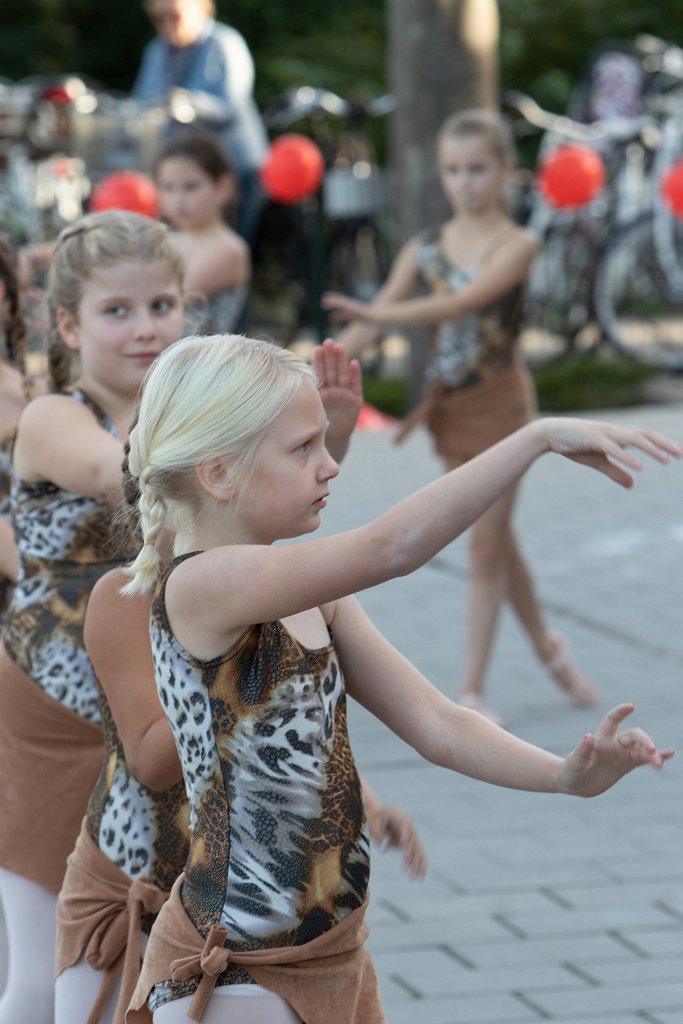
x=306, y=101
x=613, y=129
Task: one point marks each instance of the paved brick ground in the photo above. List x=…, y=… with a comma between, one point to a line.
x=536, y=908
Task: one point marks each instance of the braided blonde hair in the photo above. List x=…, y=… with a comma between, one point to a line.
x=94, y=242
x=203, y=398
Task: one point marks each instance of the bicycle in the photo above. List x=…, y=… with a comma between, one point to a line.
x=335, y=239
x=611, y=271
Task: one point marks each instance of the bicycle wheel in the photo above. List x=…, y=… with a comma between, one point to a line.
x=638, y=302
x=558, y=313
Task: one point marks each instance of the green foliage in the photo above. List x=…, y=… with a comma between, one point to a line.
x=388, y=394
x=602, y=380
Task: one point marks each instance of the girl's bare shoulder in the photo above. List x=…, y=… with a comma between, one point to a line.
x=520, y=239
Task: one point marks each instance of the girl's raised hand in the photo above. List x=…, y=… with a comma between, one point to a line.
x=341, y=392
x=600, y=760
x=602, y=446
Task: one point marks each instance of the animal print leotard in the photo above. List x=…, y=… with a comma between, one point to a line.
x=279, y=849
x=475, y=348
x=65, y=542
x=144, y=832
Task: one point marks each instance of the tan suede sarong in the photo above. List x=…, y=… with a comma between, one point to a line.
x=50, y=759
x=99, y=917
x=330, y=980
x=466, y=421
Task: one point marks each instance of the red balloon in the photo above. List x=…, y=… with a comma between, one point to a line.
x=293, y=169
x=671, y=187
x=126, y=190
x=571, y=176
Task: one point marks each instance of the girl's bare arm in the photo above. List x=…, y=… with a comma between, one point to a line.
x=117, y=640
x=204, y=602
x=507, y=269
x=463, y=741
x=401, y=282
x=60, y=440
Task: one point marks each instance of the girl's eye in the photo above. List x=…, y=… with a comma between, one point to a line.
x=303, y=448
x=117, y=310
x=163, y=305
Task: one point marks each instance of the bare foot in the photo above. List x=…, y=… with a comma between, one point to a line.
x=475, y=703
x=568, y=676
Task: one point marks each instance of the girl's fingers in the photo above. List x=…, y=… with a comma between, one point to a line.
x=613, y=719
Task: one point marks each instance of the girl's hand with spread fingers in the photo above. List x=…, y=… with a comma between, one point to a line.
x=600, y=760
x=341, y=392
x=603, y=446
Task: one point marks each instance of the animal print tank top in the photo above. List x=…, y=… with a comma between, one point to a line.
x=474, y=348
x=144, y=832
x=279, y=850
x=66, y=542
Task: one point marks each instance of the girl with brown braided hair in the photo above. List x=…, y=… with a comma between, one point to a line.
x=115, y=302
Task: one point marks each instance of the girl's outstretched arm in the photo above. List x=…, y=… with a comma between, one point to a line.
x=213, y=596
x=117, y=640
x=507, y=269
x=402, y=281
x=462, y=740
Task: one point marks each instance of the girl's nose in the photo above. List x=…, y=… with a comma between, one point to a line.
x=329, y=468
x=145, y=326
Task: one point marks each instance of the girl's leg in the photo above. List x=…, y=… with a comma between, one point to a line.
x=490, y=549
x=551, y=648
x=29, y=912
x=76, y=990
x=248, y=1004
x=499, y=573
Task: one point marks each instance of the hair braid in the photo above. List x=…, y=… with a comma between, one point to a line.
x=58, y=362
x=15, y=331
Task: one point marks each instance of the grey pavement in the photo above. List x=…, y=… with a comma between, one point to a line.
x=536, y=907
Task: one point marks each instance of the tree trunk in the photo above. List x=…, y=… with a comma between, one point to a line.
x=442, y=58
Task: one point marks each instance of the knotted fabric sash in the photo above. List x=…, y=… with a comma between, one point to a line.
x=99, y=917
x=50, y=759
x=330, y=980
x=466, y=421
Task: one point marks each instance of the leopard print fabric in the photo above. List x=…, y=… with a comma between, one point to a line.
x=279, y=850
x=65, y=543
x=144, y=832
x=475, y=348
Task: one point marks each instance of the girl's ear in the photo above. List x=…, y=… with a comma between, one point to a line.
x=68, y=327
x=214, y=477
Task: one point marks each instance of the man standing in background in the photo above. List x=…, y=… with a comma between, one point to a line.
x=205, y=71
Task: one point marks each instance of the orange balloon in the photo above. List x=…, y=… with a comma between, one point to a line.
x=126, y=190
x=571, y=176
x=293, y=169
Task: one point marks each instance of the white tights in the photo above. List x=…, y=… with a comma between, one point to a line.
x=29, y=912
x=232, y=1004
x=76, y=990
